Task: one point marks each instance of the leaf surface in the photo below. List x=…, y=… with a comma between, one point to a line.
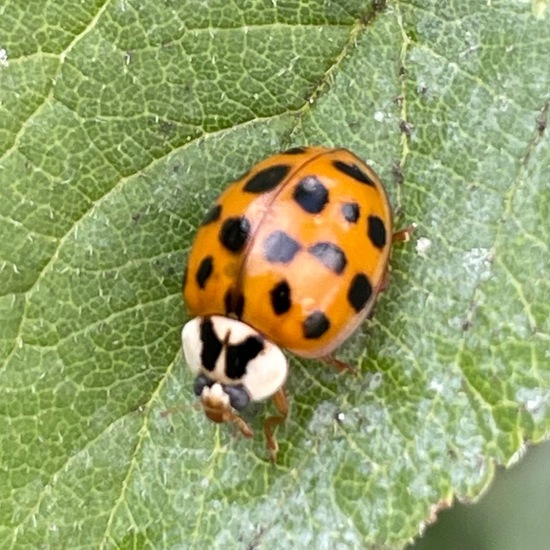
x=121, y=121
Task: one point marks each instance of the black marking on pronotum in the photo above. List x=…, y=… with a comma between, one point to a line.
x=211, y=345
x=376, y=231
x=359, y=292
x=330, y=255
x=315, y=325
x=280, y=247
x=280, y=298
x=353, y=171
x=351, y=211
x=234, y=303
x=237, y=357
x=311, y=194
x=238, y=396
x=205, y=270
x=267, y=179
x=295, y=151
x=212, y=215
x=234, y=233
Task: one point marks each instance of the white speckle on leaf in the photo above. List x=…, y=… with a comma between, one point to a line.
x=436, y=385
x=469, y=50
x=323, y=416
x=4, y=58
x=375, y=381
x=289, y=68
x=379, y=116
x=478, y=260
x=423, y=244
x=538, y=7
x=535, y=400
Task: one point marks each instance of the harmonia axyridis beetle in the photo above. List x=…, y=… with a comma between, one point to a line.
x=292, y=255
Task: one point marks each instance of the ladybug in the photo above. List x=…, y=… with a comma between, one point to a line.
x=292, y=255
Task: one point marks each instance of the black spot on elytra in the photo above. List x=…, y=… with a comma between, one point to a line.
x=238, y=396
x=295, y=151
x=234, y=233
x=279, y=247
x=311, y=194
x=359, y=292
x=266, y=179
x=237, y=357
x=377, y=231
x=212, y=215
x=234, y=303
x=211, y=345
x=205, y=270
x=351, y=211
x=353, y=171
x=315, y=325
x=280, y=298
x=330, y=255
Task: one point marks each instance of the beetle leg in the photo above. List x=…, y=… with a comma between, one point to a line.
x=384, y=284
x=243, y=426
x=340, y=366
x=404, y=235
x=281, y=404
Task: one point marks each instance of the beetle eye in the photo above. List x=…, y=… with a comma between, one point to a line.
x=238, y=396
x=200, y=383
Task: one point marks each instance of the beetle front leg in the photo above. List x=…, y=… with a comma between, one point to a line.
x=281, y=404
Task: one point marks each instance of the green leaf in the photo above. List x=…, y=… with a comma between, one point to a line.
x=121, y=121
